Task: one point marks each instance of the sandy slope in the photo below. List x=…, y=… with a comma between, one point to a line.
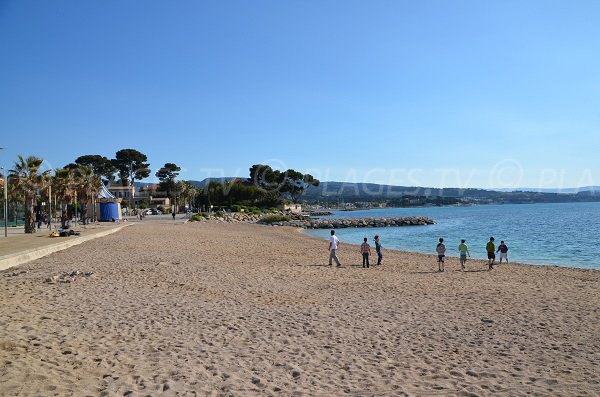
x=237, y=309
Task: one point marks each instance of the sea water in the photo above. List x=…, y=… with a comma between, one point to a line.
x=564, y=234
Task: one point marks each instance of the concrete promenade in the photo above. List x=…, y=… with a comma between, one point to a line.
x=19, y=247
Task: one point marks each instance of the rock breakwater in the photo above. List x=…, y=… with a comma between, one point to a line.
x=314, y=223
x=339, y=223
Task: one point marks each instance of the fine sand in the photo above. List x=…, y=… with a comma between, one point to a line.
x=242, y=310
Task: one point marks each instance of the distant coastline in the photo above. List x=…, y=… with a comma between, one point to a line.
x=331, y=194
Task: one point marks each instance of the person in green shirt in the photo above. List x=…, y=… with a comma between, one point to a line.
x=491, y=253
x=464, y=251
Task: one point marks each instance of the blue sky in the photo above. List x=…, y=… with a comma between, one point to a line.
x=432, y=93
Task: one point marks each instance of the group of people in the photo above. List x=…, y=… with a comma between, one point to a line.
x=463, y=250
x=365, y=250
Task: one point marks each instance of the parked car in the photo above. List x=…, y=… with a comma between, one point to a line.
x=155, y=212
x=149, y=212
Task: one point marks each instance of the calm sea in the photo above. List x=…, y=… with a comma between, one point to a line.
x=554, y=234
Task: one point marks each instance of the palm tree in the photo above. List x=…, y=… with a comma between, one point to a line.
x=190, y=192
x=28, y=180
x=64, y=185
x=89, y=185
x=213, y=191
x=15, y=197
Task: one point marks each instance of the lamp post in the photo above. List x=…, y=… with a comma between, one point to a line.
x=5, y=202
x=4, y=172
x=5, y=205
x=76, y=207
x=50, y=206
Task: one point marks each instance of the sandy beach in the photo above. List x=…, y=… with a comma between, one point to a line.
x=202, y=309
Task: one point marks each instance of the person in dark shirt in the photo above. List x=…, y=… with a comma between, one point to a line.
x=378, y=249
x=441, y=252
x=503, y=249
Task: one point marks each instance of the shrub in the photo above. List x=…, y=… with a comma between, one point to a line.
x=275, y=218
x=254, y=210
x=196, y=218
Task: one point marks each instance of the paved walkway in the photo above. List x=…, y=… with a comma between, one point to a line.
x=20, y=247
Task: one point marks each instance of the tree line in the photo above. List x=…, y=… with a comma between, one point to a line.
x=76, y=185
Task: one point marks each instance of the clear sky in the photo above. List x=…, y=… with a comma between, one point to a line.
x=432, y=93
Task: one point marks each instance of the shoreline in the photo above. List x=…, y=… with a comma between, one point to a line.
x=307, y=231
x=434, y=257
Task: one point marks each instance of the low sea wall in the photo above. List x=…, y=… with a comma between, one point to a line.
x=339, y=223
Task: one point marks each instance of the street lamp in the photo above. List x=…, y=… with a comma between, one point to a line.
x=50, y=207
x=4, y=172
x=5, y=202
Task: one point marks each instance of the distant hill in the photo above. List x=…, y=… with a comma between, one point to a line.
x=369, y=190
x=356, y=192
x=569, y=190
x=200, y=184
x=206, y=181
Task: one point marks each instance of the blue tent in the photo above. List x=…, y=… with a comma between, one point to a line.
x=110, y=206
x=109, y=211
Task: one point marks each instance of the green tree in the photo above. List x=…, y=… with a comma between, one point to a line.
x=291, y=182
x=296, y=183
x=28, y=178
x=167, y=175
x=16, y=197
x=214, y=193
x=265, y=177
x=102, y=166
x=88, y=186
x=189, y=193
x=64, y=186
x=131, y=165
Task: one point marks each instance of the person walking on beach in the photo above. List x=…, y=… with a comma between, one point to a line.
x=378, y=249
x=441, y=251
x=503, y=249
x=365, y=250
x=491, y=253
x=173, y=214
x=334, y=242
x=463, y=249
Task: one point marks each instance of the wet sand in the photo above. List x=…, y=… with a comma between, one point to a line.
x=242, y=310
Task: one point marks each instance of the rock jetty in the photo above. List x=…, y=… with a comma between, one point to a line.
x=339, y=223
x=235, y=217
x=314, y=223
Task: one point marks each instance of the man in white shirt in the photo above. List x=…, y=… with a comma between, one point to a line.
x=333, y=245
